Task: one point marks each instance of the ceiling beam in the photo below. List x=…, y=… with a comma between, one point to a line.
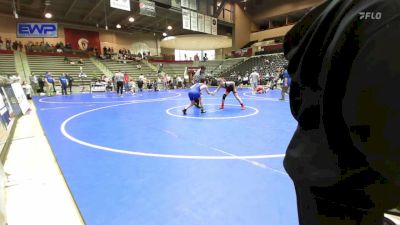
x=220, y=8
x=100, y=2
x=156, y=21
x=108, y=16
x=138, y=28
x=70, y=8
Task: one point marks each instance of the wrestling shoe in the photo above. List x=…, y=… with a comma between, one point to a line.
x=184, y=111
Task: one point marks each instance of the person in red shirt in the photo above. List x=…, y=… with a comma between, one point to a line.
x=126, y=82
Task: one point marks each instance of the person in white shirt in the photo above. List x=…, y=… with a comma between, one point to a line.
x=179, y=81
x=254, y=77
x=246, y=79
x=27, y=90
x=119, y=78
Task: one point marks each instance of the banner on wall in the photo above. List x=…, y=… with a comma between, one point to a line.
x=193, y=21
x=200, y=22
x=193, y=4
x=82, y=39
x=121, y=4
x=176, y=3
x=207, y=24
x=147, y=8
x=214, y=26
x=186, y=19
x=21, y=97
x=185, y=3
x=36, y=30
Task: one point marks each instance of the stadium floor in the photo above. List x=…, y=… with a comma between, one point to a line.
x=137, y=160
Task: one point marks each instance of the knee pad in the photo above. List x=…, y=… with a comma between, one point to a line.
x=224, y=96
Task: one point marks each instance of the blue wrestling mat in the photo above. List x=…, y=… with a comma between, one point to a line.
x=136, y=160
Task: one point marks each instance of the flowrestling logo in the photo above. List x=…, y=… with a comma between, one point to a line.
x=370, y=15
x=48, y=30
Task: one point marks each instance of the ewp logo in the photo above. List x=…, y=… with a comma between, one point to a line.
x=37, y=30
x=370, y=15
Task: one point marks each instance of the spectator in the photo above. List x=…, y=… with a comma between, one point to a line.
x=200, y=74
x=132, y=86
x=8, y=44
x=205, y=58
x=119, y=78
x=196, y=60
x=254, y=78
x=1, y=44
x=285, y=84
x=66, y=60
x=20, y=46
x=49, y=83
x=15, y=45
x=41, y=83
x=33, y=79
x=27, y=90
x=64, y=84
x=70, y=80
x=344, y=155
x=140, y=83
x=126, y=82
x=179, y=82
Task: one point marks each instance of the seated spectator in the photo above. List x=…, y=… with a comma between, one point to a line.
x=66, y=60
x=8, y=44
x=139, y=67
x=80, y=61
x=14, y=78
x=27, y=90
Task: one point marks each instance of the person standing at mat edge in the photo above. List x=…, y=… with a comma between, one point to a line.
x=285, y=83
x=119, y=78
x=344, y=155
x=64, y=84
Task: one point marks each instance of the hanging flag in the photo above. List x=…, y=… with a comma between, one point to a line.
x=214, y=26
x=193, y=4
x=193, y=21
x=121, y=4
x=186, y=19
x=207, y=24
x=200, y=22
x=185, y=3
x=147, y=8
x=176, y=3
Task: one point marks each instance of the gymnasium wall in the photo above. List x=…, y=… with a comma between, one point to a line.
x=281, y=9
x=135, y=42
x=271, y=33
x=242, y=28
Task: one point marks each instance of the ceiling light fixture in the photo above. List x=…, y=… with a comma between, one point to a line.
x=48, y=15
x=131, y=19
x=169, y=27
x=118, y=26
x=164, y=34
x=106, y=27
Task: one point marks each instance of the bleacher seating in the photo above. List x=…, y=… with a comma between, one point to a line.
x=226, y=65
x=7, y=64
x=131, y=69
x=56, y=65
x=174, y=69
x=212, y=66
x=276, y=61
